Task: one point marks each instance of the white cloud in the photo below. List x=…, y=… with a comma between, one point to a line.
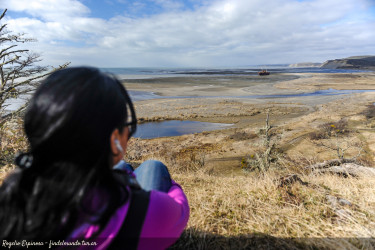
x=49, y=10
x=226, y=32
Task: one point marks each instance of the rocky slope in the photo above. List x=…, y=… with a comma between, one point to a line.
x=355, y=62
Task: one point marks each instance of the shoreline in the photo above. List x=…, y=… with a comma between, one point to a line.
x=294, y=118
x=224, y=95
x=233, y=86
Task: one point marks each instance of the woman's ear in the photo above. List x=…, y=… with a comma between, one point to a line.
x=115, y=137
x=119, y=141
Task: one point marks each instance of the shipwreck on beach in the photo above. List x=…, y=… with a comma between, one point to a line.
x=263, y=73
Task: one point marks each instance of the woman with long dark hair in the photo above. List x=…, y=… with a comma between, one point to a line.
x=72, y=187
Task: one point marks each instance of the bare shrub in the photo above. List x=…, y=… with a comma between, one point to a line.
x=339, y=127
x=191, y=159
x=266, y=157
x=343, y=147
x=369, y=112
x=12, y=140
x=329, y=129
x=317, y=135
x=242, y=136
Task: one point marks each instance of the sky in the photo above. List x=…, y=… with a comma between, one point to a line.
x=193, y=33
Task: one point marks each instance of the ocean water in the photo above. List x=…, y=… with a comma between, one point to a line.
x=144, y=73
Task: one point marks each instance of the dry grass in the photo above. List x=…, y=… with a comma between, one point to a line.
x=245, y=210
x=242, y=210
x=12, y=141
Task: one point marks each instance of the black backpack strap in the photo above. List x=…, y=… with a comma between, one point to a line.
x=126, y=180
x=130, y=231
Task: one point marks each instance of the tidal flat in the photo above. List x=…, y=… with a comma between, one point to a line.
x=219, y=99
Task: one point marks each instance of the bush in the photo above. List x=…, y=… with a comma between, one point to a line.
x=12, y=140
x=242, y=136
x=369, y=112
x=329, y=129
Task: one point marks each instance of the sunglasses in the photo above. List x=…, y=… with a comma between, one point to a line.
x=131, y=122
x=132, y=126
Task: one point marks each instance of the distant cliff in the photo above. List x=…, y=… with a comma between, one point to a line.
x=305, y=65
x=354, y=62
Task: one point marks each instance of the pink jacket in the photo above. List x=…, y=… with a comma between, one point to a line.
x=166, y=218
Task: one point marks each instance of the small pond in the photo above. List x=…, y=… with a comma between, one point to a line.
x=151, y=130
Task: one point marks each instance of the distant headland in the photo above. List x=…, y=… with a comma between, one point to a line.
x=354, y=62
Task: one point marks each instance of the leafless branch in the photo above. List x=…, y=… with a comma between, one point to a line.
x=11, y=52
x=19, y=73
x=2, y=15
x=341, y=146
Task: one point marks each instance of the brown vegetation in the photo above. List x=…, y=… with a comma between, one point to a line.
x=369, y=112
x=283, y=206
x=331, y=128
x=12, y=141
x=237, y=212
x=232, y=208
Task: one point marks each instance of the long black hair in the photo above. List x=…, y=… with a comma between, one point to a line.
x=66, y=177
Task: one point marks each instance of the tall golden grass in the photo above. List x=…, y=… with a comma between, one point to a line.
x=239, y=212
x=12, y=141
x=243, y=210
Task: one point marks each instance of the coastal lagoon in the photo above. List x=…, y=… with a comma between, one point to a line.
x=151, y=130
x=144, y=95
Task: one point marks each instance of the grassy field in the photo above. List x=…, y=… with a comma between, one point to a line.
x=239, y=212
x=237, y=205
